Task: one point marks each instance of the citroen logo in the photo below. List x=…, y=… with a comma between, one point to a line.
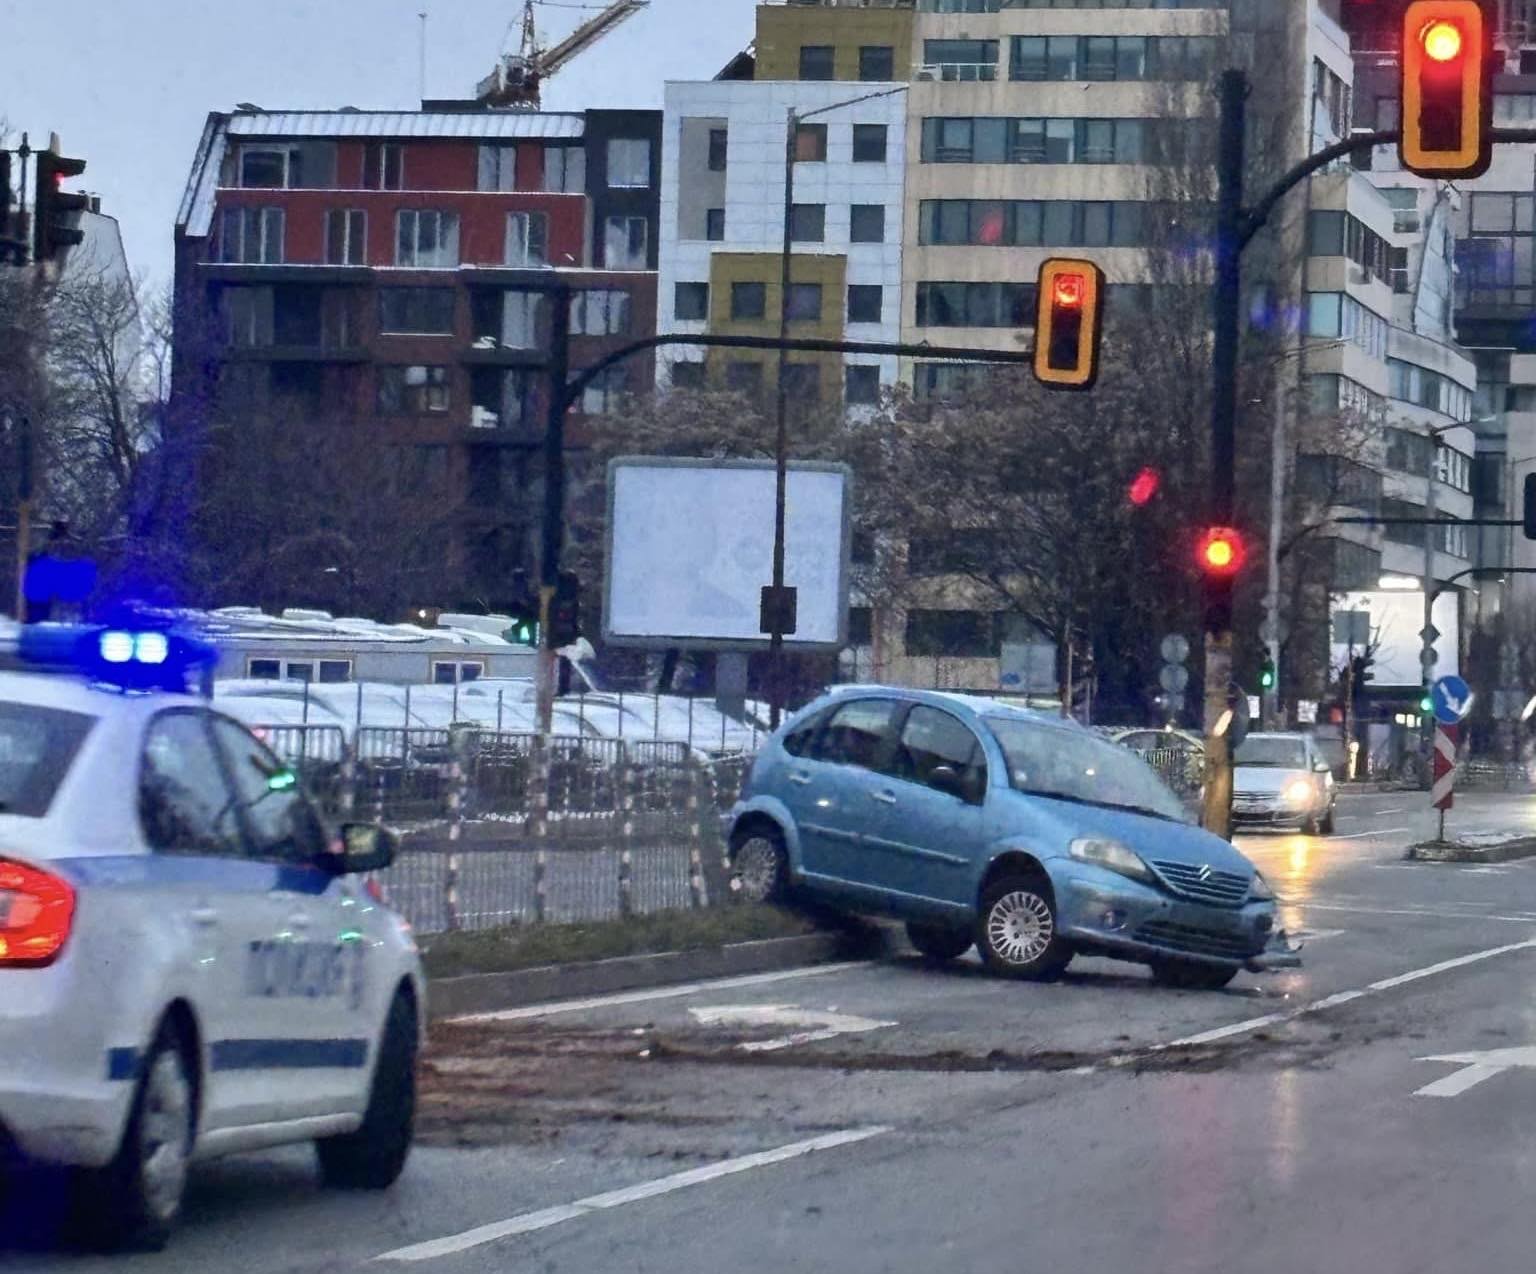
x=1204, y=873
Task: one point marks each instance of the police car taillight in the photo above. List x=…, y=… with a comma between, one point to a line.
x=36, y=911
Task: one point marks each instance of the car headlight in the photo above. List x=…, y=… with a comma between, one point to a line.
x=1299, y=792
x=1113, y=855
x=1259, y=890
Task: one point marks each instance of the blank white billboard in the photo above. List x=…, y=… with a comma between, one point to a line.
x=690, y=549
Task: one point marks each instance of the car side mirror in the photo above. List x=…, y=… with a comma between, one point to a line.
x=946, y=779
x=1322, y=767
x=365, y=847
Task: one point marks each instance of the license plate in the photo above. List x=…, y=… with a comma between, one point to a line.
x=1211, y=919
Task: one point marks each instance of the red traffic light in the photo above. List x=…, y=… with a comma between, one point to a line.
x=1447, y=87
x=1442, y=41
x=1221, y=551
x=1069, y=290
x=1146, y=484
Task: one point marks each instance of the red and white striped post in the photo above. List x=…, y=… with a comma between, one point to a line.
x=1442, y=793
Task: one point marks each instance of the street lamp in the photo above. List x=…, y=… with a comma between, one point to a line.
x=777, y=610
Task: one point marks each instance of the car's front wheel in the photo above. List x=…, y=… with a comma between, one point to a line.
x=1016, y=930
x=760, y=867
x=1191, y=975
x=939, y=942
x=373, y=1157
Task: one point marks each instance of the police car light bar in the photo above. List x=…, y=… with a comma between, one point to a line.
x=124, y=658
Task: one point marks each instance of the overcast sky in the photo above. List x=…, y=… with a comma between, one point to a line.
x=128, y=83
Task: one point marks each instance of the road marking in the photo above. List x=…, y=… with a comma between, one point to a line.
x=1374, y=833
x=1344, y=997
x=657, y=993
x=815, y=1024
x=1524, y=918
x=435, y=1249
x=1315, y=935
x=1476, y=1067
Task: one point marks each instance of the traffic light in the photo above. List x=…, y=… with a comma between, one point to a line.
x=1221, y=552
x=52, y=204
x=523, y=608
x=1426, y=703
x=1069, y=323
x=1528, y=513
x=1447, y=88
x=1144, y=486
x=1267, y=674
x=565, y=611
x=1359, y=675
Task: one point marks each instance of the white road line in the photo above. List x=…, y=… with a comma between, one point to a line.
x=434, y=1249
x=1373, y=834
x=1457, y=1082
x=1425, y=913
x=1345, y=997
x=657, y=993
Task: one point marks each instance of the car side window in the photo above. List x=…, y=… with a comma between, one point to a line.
x=931, y=738
x=186, y=805
x=800, y=738
x=859, y=733
x=281, y=821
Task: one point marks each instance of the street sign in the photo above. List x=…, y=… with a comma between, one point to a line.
x=1174, y=678
x=1442, y=793
x=1175, y=648
x=1429, y=634
x=1306, y=711
x=1452, y=699
x=1352, y=628
x=1272, y=630
x=1428, y=658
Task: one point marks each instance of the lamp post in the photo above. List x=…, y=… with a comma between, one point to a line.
x=777, y=611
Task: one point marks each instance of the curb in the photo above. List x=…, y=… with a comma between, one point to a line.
x=1509, y=851
x=489, y=992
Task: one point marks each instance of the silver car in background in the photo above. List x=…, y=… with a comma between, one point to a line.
x=1283, y=780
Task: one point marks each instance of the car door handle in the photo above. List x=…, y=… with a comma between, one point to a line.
x=205, y=917
x=800, y=777
x=884, y=797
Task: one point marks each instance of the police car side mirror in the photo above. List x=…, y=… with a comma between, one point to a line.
x=366, y=847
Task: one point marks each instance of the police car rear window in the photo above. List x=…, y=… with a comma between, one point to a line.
x=37, y=747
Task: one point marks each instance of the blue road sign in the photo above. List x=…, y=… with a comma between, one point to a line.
x=1452, y=699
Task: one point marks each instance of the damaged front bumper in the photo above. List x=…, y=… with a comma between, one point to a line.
x=1279, y=953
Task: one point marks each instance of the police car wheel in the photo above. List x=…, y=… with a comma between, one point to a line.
x=373, y=1157
x=144, y=1185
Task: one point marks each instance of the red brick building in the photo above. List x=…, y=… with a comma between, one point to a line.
x=394, y=271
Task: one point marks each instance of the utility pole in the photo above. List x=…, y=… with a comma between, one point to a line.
x=554, y=499
x=23, y=511
x=776, y=607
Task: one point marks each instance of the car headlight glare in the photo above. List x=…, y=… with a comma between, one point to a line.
x=1299, y=792
x=1111, y=854
x=1259, y=890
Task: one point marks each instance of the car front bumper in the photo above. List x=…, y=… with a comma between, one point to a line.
x=1102, y=910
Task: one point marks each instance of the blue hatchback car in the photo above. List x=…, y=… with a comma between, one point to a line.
x=979, y=823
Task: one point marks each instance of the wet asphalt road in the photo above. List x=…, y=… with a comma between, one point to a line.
x=890, y=1116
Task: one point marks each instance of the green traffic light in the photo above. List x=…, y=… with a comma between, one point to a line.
x=1426, y=705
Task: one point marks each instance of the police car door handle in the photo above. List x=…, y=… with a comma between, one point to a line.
x=207, y=917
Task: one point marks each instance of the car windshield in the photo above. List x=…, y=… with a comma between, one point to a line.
x=1272, y=750
x=37, y=747
x=1077, y=766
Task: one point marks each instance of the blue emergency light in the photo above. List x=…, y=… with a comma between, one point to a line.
x=127, y=658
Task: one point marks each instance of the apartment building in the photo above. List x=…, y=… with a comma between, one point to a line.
x=394, y=272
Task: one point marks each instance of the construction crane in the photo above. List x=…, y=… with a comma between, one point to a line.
x=518, y=78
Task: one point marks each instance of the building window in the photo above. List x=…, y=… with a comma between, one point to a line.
x=744, y=378
x=248, y=315
x=860, y=626
x=805, y=302
x=520, y=319
x=331, y=671
x=962, y=60
x=601, y=396
x=565, y=170
x=629, y=163
x=416, y=311
x=413, y=390
x=802, y=382
x=719, y=140
x=305, y=165
x=501, y=397
x=869, y=143
x=262, y=169
x=383, y=166
x=954, y=634
x=687, y=375
x=498, y=168
x=527, y=239
x=864, y=302
x=816, y=62
x=999, y=140
x=866, y=223
x=600, y=312
x=1124, y=57
x=808, y=223
x=690, y=302
x=877, y=62
x=748, y=300
x=714, y=225
x=624, y=243
x=455, y=673
x=975, y=304
x=1336, y=314
x=427, y=239
x=346, y=236
x=251, y=236
x=1031, y=223
x=810, y=143
x=862, y=384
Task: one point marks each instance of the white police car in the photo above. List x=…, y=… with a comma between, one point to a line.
x=189, y=964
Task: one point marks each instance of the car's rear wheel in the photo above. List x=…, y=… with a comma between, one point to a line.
x=1191, y=975
x=939, y=942
x=373, y=1157
x=141, y=1190
x=760, y=867
x=1016, y=931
